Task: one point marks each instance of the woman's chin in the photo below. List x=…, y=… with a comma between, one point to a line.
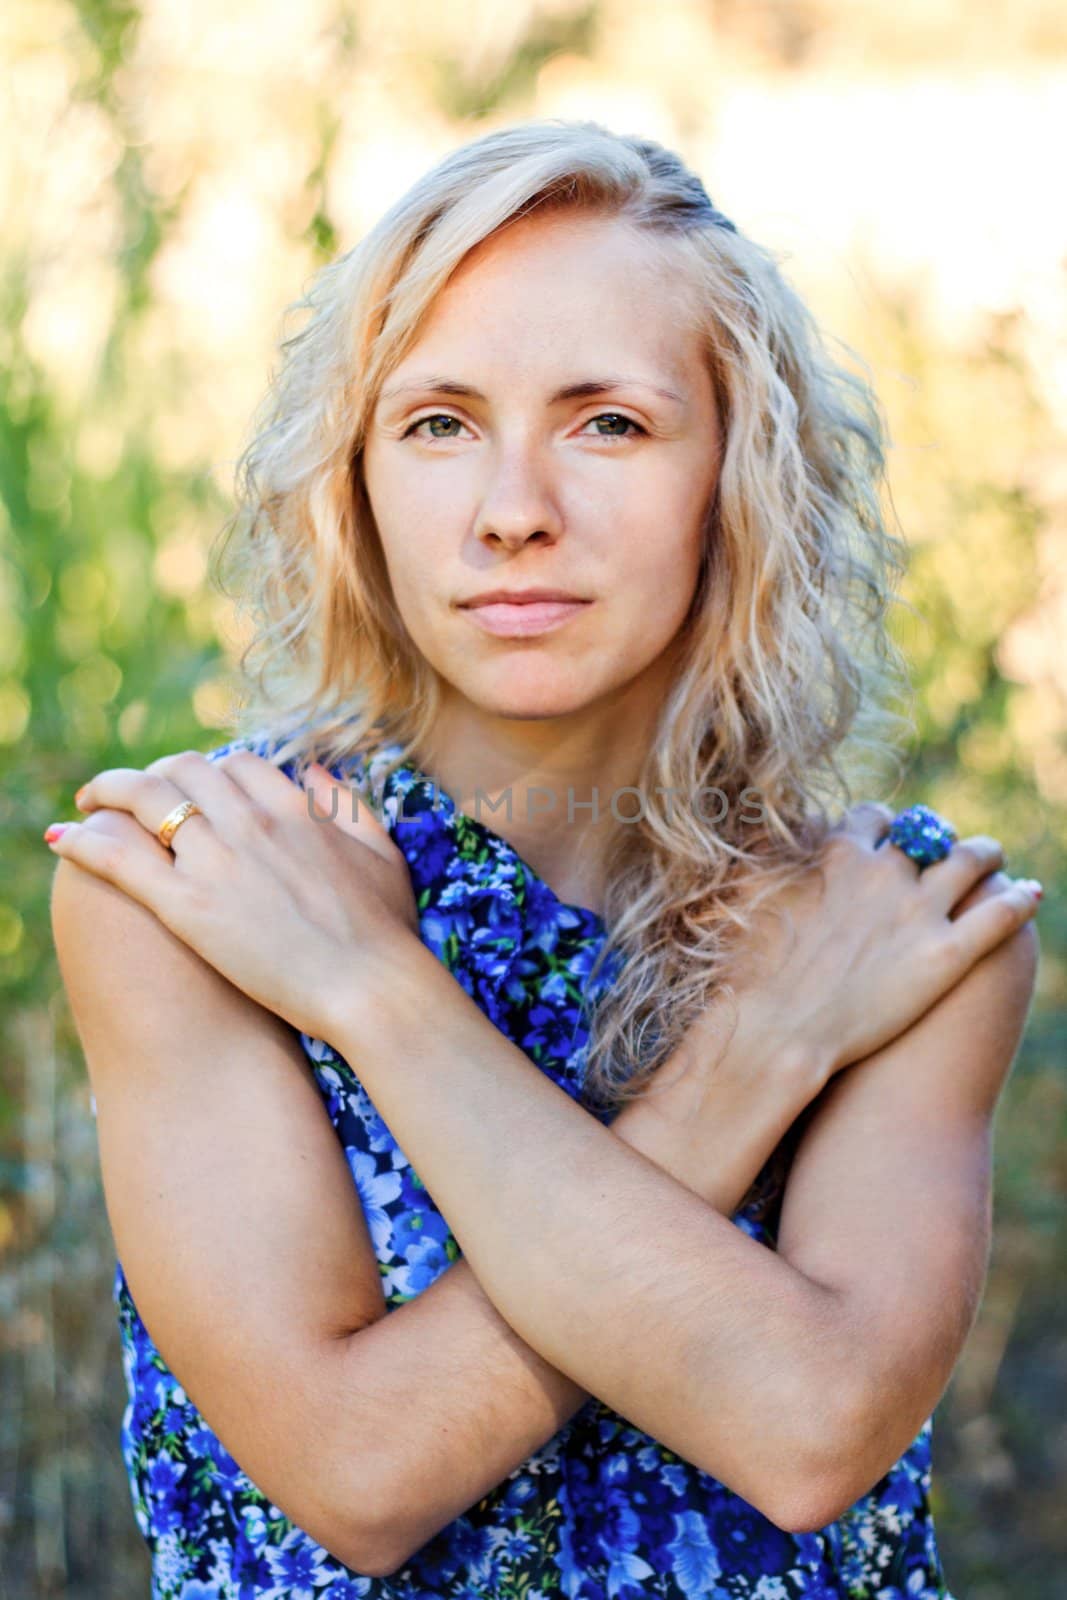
x=534, y=703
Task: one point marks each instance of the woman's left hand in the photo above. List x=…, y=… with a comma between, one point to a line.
x=273, y=891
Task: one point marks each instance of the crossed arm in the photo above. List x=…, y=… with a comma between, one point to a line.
x=796, y=1378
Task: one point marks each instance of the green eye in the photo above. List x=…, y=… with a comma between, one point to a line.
x=616, y=416
x=437, y=416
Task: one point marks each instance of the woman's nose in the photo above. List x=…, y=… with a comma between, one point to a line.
x=518, y=502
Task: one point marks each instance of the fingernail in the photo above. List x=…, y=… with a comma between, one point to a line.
x=79, y=793
x=1034, y=887
x=53, y=831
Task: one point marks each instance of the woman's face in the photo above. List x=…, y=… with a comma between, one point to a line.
x=554, y=425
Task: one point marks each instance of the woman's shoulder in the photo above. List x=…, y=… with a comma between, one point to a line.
x=355, y=766
x=266, y=745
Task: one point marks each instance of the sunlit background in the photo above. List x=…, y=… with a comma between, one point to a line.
x=172, y=173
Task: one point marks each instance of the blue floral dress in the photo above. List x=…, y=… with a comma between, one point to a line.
x=602, y=1511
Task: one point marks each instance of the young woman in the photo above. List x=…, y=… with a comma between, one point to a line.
x=512, y=1196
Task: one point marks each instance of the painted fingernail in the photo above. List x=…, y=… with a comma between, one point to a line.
x=1034, y=887
x=79, y=794
x=53, y=831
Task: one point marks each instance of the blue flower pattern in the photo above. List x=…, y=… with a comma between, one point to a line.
x=602, y=1511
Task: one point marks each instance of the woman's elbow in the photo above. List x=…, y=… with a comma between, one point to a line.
x=818, y=1466
x=377, y=1542
x=847, y=1449
x=813, y=1498
x=367, y=1521
x=782, y=1473
x=357, y=1525
x=366, y=1552
x=804, y=1503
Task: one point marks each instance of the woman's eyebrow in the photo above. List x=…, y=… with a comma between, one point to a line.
x=584, y=390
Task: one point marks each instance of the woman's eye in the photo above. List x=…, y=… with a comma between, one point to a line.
x=615, y=417
x=438, y=416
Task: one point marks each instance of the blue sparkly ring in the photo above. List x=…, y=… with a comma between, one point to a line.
x=922, y=835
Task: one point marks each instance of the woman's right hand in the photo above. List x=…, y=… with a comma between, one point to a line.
x=841, y=962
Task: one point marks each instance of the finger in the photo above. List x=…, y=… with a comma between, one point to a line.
x=227, y=788
x=257, y=779
x=868, y=820
x=874, y=827
x=328, y=799
x=319, y=796
x=989, y=921
x=113, y=846
x=969, y=860
x=267, y=786
x=212, y=784
x=146, y=797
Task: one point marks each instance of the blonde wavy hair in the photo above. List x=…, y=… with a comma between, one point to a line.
x=786, y=652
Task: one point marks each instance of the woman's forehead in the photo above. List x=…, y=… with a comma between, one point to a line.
x=570, y=254
x=562, y=321
x=556, y=303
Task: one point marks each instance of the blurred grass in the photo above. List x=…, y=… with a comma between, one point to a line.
x=115, y=380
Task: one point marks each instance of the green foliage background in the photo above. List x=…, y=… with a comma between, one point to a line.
x=114, y=649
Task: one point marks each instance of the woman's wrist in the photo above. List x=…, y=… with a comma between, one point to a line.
x=719, y=1106
x=381, y=985
x=739, y=1034
x=713, y=1114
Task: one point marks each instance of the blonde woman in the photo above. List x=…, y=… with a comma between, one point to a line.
x=546, y=1133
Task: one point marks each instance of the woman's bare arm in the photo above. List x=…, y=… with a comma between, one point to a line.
x=244, y=1242
x=761, y=1371
x=484, y=1400
x=889, y=1196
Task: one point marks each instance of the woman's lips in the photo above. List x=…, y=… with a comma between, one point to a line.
x=510, y=621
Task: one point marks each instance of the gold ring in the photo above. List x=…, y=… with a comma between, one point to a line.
x=173, y=821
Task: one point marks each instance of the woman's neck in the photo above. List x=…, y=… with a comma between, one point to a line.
x=533, y=783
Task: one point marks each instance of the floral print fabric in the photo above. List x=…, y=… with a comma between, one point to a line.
x=602, y=1511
